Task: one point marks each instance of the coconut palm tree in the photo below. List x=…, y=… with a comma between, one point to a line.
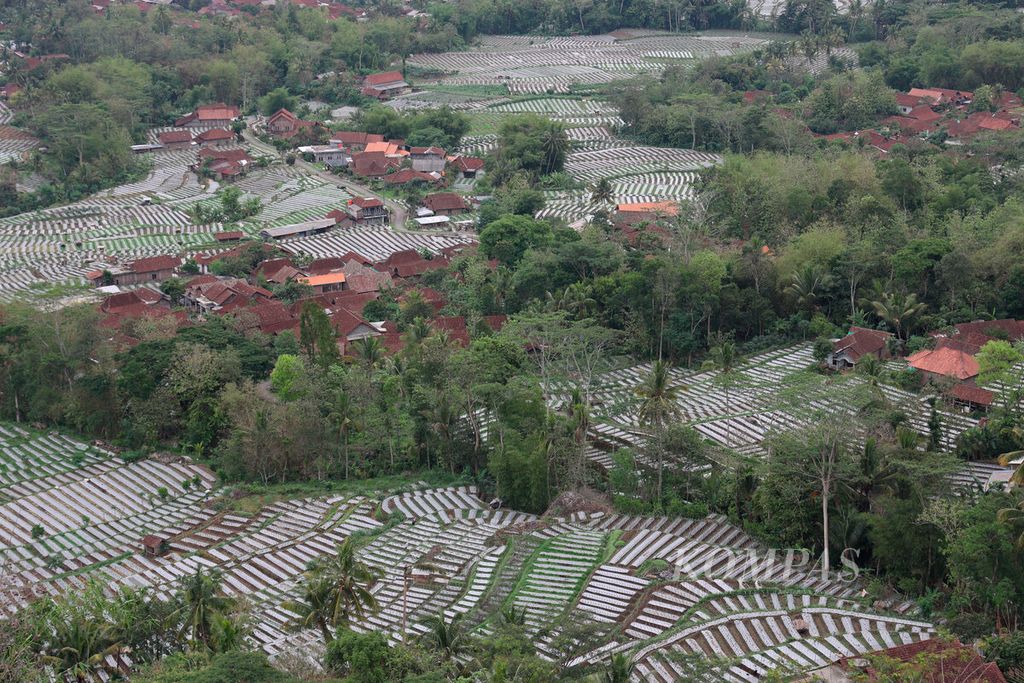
x=658, y=404
x=806, y=286
x=200, y=604
x=574, y=299
x=619, y=669
x=555, y=145
x=899, y=312
x=80, y=648
x=417, y=332
x=1014, y=519
x=350, y=579
x=342, y=417
x=441, y=414
x=315, y=607
x=449, y=638
x=723, y=359
x=601, y=192
x=369, y=350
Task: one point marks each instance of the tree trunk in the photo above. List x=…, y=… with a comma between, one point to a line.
x=824, y=532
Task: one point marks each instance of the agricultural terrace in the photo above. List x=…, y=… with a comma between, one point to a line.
x=14, y=142
x=529, y=65
x=609, y=573
x=560, y=78
x=768, y=393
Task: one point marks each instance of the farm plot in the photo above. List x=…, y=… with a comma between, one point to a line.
x=560, y=65
x=464, y=559
x=592, y=165
x=639, y=187
x=149, y=217
x=769, y=393
x=298, y=201
x=375, y=244
x=14, y=143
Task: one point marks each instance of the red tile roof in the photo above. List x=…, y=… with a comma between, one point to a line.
x=970, y=393
x=945, y=361
x=1014, y=329
x=668, y=208
x=154, y=264
x=373, y=164
x=944, y=662
x=907, y=100
x=228, y=235
x=215, y=134
x=464, y=163
x=356, y=138
x=118, y=302
x=427, y=151
x=174, y=136
x=282, y=114
x=408, y=175
x=383, y=78
x=366, y=202
x=409, y=263
x=216, y=112
x=862, y=341
x=273, y=317
x=445, y=201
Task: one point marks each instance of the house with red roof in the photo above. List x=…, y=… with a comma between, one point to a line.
x=906, y=102
x=860, y=342
x=446, y=204
x=140, y=271
x=373, y=164
x=384, y=86
x=223, y=164
x=118, y=303
x=405, y=176
x=222, y=295
x=269, y=317
x=354, y=141
x=937, y=661
x=362, y=278
x=367, y=211
x=176, y=139
x=350, y=328
x=284, y=124
x=217, y=115
x=970, y=396
x=325, y=283
x=427, y=159
x=466, y=167
x=9, y=90
x=410, y=263
x=214, y=137
x=944, y=362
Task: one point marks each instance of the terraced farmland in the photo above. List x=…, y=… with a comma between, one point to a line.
x=584, y=567
x=770, y=393
x=637, y=174
x=145, y=218
x=528, y=65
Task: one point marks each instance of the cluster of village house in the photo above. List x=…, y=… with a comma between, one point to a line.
x=341, y=286
x=208, y=129
x=950, y=364
x=931, y=113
